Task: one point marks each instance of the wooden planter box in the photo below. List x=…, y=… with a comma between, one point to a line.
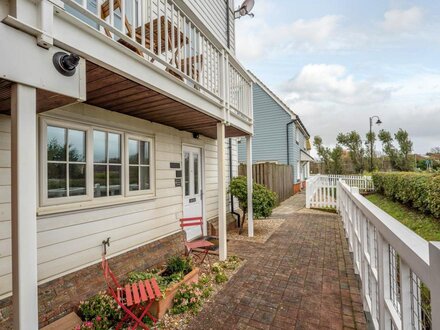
x=160, y=307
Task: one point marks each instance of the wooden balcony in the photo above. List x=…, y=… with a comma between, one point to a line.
x=161, y=36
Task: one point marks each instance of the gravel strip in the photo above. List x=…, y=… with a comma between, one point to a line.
x=263, y=229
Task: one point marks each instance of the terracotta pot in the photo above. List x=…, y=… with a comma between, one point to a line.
x=160, y=307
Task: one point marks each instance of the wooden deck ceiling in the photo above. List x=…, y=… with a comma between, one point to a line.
x=111, y=91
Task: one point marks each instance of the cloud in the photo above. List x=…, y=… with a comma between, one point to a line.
x=300, y=35
x=398, y=20
x=330, y=100
x=332, y=84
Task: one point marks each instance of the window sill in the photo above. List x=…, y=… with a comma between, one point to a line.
x=87, y=205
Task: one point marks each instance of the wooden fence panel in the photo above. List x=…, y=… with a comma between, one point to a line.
x=276, y=177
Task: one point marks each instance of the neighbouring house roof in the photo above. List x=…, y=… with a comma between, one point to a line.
x=281, y=103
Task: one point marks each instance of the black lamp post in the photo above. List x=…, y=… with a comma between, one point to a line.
x=378, y=122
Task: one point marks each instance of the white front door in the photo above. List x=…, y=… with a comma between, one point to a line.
x=192, y=182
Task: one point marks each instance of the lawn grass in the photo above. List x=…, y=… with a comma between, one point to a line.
x=424, y=225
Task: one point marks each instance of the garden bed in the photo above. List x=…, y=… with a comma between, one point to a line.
x=211, y=281
x=185, y=290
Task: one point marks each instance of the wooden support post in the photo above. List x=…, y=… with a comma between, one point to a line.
x=24, y=206
x=221, y=191
x=249, y=186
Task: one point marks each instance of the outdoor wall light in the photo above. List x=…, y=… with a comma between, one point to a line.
x=196, y=135
x=65, y=64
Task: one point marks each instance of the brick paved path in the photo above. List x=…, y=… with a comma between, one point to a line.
x=301, y=278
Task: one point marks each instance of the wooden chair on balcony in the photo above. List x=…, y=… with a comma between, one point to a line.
x=192, y=70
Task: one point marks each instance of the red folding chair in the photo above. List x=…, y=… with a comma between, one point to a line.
x=193, y=237
x=134, y=299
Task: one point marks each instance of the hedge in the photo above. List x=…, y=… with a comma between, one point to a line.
x=418, y=190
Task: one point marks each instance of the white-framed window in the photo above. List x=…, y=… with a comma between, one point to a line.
x=64, y=155
x=83, y=163
x=139, y=160
x=297, y=135
x=107, y=164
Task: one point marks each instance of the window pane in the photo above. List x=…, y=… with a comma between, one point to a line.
x=145, y=153
x=56, y=180
x=114, y=148
x=115, y=180
x=133, y=151
x=56, y=143
x=145, y=178
x=134, y=178
x=186, y=168
x=100, y=180
x=196, y=173
x=77, y=179
x=77, y=146
x=99, y=147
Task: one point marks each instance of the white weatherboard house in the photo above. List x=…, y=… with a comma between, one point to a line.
x=114, y=118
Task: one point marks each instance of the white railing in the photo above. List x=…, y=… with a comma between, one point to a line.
x=400, y=271
x=321, y=189
x=161, y=33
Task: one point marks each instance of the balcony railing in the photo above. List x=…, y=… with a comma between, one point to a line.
x=161, y=33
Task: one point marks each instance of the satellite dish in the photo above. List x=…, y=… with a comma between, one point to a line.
x=245, y=9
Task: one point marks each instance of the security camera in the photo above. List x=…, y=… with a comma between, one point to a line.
x=65, y=63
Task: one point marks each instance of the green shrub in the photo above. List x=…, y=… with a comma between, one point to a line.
x=263, y=199
x=417, y=190
x=100, y=310
x=178, y=265
x=220, y=278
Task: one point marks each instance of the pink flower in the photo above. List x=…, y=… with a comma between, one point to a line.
x=98, y=318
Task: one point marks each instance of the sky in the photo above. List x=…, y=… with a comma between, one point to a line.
x=338, y=62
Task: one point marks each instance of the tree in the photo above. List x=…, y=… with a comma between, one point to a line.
x=323, y=152
x=353, y=142
x=336, y=158
x=399, y=157
x=388, y=147
x=405, y=149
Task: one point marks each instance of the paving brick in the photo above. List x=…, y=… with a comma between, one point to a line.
x=301, y=278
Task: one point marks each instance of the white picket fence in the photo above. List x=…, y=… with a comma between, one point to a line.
x=321, y=189
x=399, y=270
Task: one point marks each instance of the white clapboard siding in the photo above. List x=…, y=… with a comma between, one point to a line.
x=213, y=15
x=71, y=240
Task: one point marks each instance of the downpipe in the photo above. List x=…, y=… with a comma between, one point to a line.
x=230, y=178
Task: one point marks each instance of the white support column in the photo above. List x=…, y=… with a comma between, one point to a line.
x=24, y=205
x=249, y=186
x=223, y=251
